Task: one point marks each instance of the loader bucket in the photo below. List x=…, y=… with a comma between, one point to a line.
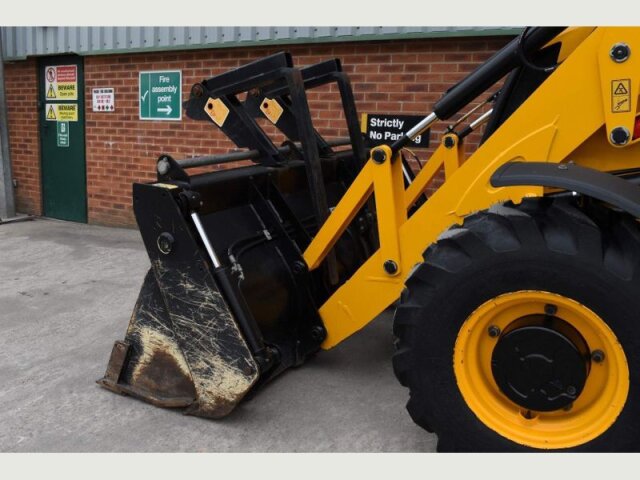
x=229, y=302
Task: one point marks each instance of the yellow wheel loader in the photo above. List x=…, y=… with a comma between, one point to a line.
x=516, y=284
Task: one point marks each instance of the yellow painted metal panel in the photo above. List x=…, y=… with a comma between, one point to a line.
x=566, y=111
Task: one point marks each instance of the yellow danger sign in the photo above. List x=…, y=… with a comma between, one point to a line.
x=62, y=112
x=61, y=82
x=51, y=92
x=621, y=95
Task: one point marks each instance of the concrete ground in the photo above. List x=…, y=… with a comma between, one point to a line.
x=67, y=291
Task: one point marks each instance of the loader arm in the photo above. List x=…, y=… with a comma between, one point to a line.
x=255, y=268
x=575, y=103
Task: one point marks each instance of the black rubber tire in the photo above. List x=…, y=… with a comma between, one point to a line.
x=588, y=254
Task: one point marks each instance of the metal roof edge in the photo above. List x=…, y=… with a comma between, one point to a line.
x=484, y=32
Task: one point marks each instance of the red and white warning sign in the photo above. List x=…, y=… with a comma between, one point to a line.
x=61, y=82
x=104, y=99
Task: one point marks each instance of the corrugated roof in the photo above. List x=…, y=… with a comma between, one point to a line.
x=20, y=42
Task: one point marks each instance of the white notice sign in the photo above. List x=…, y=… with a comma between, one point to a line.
x=104, y=99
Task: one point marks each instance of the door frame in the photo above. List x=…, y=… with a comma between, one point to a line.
x=41, y=103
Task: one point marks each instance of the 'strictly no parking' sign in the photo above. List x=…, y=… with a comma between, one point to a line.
x=160, y=95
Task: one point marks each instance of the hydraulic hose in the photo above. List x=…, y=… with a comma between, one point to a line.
x=478, y=81
x=493, y=70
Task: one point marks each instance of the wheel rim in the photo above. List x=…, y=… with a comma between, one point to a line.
x=594, y=410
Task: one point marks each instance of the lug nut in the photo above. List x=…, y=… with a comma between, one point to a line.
x=550, y=309
x=571, y=390
x=493, y=331
x=528, y=414
x=597, y=356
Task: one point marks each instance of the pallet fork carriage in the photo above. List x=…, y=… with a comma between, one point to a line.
x=517, y=278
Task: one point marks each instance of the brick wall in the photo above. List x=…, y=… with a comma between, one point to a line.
x=21, y=85
x=387, y=76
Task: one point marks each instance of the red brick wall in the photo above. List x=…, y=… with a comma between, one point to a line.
x=387, y=76
x=21, y=85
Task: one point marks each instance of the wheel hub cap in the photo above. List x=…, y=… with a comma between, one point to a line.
x=541, y=366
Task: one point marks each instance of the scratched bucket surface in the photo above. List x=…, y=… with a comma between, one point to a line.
x=150, y=364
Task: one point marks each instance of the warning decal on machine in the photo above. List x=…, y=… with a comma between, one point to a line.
x=621, y=95
x=62, y=112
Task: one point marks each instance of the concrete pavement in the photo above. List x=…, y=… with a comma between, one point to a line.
x=67, y=293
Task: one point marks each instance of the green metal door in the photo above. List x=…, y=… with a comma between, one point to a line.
x=62, y=149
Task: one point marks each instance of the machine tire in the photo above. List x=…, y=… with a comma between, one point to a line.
x=588, y=255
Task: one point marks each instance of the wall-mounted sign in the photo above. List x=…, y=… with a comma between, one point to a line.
x=61, y=82
x=61, y=112
x=384, y=129
x=62, y=134
x=104, y=99
x=160, y=95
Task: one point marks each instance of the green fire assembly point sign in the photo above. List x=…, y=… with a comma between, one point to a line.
x=160, y=95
